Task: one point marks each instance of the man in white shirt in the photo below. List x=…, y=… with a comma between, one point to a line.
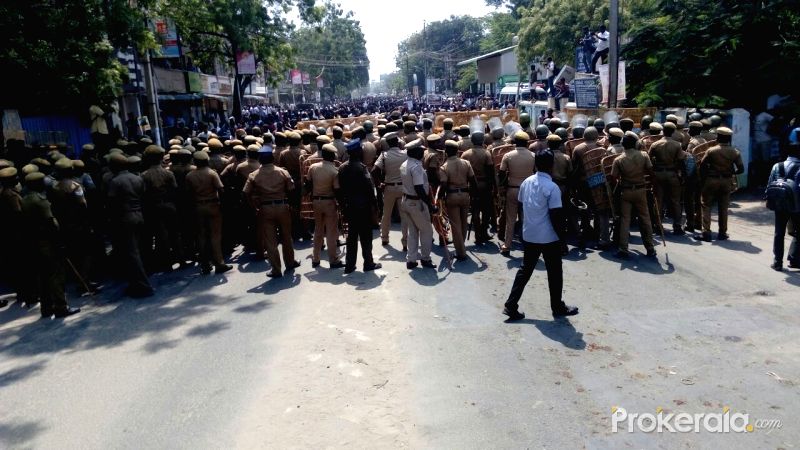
x=601, y=50
x=540, y=198
x=416, y=208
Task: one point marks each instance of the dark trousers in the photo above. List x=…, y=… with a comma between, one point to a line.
x=130, y=232
x=555, y=276
x=359, y=229
x=781, y=219
x=598, y=56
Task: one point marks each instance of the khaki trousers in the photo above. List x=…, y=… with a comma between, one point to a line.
x=391, y=195
x=271, y=220
x=209, y=233
x=719, y=190
x=668, y=185
x=326, y=225
x=457, y=208
x=635, y=200
x=511, y=209
x=417, y=220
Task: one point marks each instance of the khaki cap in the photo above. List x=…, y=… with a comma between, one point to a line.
x=34, y=177
x=8, y=172
x=433, y=137
x=29, y=168
x=200, y=156
x=557, y=138
x=153, y=150
x=214, y=143
x=670, y=125
x=78, y=164
x=324, y=139
x=416, y=143
x=655, y=126
x=521, y=136
x=616, y=132
x=724, y=131
x=330, y=149
x=63, y=164
x=450, y=144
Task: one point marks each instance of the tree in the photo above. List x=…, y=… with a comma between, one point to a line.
x=336, y=50
x=441, y=45
x=218, y=29
x=500, y=30
x=514, y=6
x=715, y=53
x=59, y=56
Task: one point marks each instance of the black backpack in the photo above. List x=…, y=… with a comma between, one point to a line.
x=783, y=194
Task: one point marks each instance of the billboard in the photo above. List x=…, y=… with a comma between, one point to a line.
x=295, y=76
x=306, y=78
x=246, y=63
x=167, y=37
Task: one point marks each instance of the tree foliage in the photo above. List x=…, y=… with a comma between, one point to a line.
x=720, y=53
x=336, y=49
x=514, y=6
x=442, y=44
x=60, y=55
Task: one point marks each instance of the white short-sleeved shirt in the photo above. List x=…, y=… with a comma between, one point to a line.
x=538, y=195
x=601, y=44
x=413, y=174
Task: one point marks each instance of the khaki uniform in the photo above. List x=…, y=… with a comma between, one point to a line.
x=290, y=160
x=70, y=209
x=389, y=162
x=519, y=164
x=267, y=189
x=691, y=192
x=204, y=186
x=125, y=194
x=720, y=161
x=464, y=145
x=539, y=145
x=325, y=181
x=12, y=225
x=666, y=155
x=370, y=154
x=161, y=216
x=217, y=162
x=341, y=150
x=455, y=174
x=483, y=166
x=630, y=168
x=414, y=212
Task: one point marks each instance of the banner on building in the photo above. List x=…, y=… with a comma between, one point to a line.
x=296, y=76
x=167, y=37
x=306, y=78
x=603, y=69
x=246, y=63
x=320, y=83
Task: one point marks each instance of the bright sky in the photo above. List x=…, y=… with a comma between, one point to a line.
x=387, y=24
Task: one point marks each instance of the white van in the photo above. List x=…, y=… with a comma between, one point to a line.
x=509, y=93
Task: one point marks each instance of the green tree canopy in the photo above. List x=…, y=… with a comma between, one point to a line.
x=336, y=49
x=60, y=55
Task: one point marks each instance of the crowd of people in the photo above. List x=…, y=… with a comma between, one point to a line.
x=265, y=189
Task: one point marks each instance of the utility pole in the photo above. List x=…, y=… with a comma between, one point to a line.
x=152, y=98
x=425, y=53
x=613, y=53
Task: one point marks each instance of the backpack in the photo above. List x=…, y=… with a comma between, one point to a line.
x=783, y=194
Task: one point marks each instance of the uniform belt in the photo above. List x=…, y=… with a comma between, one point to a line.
x=411, y=197
x=206, y=202
x=322, y=197
x=273, y=202
x=634, y=186
x=457, y=190
x=394, y=184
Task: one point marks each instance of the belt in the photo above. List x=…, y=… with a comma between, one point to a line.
x=273, y=202
x=411, y=197
x=719, y=176
x=394, y=184
x=206, y=202
x=457, y=190
x=515, y=187
x=634, y=186
x=321, y=197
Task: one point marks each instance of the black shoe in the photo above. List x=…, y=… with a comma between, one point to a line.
x=705, y=237
x=566, y=311
x=3, y=303
x=428, y=263
x=793, y=265
x=678, y=231
x=139, y=293
x=777, y=266
x=513, y=314
x=314, y=264
x=506, y=253
x=651, y=253
x=461, y=258
x=622, y=254
x=349, y=270
x=373, y=266
x=384, y=243
x=222, y=269
x=337, y=265
x=67, y=312
x=275, y=274
x=405, y=248
x=292, y=265
x=723, y=237
x=411, y=265
x=205, y=270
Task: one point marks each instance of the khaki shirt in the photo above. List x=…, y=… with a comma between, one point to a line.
x=341, y=150
x=456, y=173
x=580, y=150
x=290, y=160
x=540, y=144
x=519, y=164
x=268, y=183
x=324, y=178
x=721, y=159
x=243, y=170
x=432, y=159
x=389, y=162
x=562, y=167
x=158, y=183
x=616, y=149
x=218, y=162
x=203, y=184
x=631, y=167
x=666, y=152
x=370, y=153
x=682, y=137
x=481, y=161
x=695, y=141
x=464, y=145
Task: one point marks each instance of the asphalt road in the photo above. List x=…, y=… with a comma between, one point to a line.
x=422, y=359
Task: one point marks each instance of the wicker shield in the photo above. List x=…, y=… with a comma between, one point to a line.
x=595, y=178
x=570, y=145
x=647, y=141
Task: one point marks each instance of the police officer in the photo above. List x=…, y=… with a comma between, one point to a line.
x=515, y=167
x=217, y=160
x=562, y=167
x=458, y=181
x=718, y=165
x=615, y=141
x=323, y=183
x=541, y=139
x=645, y=126
x=341, y=150
x=448, y=133
x=387, y=171
x=11, y=225
x=669, y=164
x=369, y=154
x=358, y=205
x=205, y=187
x=290, y=160
x=160, y=211
x=125, y=191
x=691, y=193
x=416, y=208
x=267, y=189
x=628, y=173
x=483, y=166
x=44, y=263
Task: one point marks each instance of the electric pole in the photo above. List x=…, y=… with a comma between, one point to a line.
x=613, y=53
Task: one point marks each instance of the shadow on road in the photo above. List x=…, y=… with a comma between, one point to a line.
x=19, y=434
x=560, y=330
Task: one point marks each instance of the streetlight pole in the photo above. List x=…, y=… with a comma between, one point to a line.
x=613, y=53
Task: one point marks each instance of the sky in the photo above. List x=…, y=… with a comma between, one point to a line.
x=386, y=24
